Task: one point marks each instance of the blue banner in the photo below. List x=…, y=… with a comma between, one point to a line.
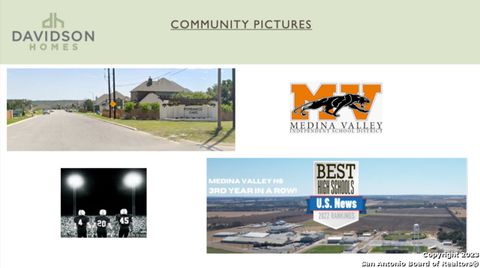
x=346, y=203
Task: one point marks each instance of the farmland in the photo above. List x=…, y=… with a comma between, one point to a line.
x=235, y=214
x=398, y=223
x=459, y=212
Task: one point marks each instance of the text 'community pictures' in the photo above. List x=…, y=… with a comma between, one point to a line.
x=98, y=203
x=118, y=109
x=336, y=205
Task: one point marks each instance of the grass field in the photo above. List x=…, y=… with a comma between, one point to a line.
x=28, y=114
x=203, y=132
x=325, y=249
x=403, y=236
x=411, y=249
x=17, y=119
x=217, y=250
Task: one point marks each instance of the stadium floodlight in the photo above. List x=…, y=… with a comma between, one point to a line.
x=133, y=180
x=75, y=181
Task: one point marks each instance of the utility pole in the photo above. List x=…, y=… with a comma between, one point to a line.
x=114, y=97
x=109, y=96
x=233, y=97
x=219, y=100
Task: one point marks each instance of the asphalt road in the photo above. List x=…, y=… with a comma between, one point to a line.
x=62, y=131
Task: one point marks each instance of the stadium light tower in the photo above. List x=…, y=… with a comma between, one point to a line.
x=75, y=181
x=133, y=180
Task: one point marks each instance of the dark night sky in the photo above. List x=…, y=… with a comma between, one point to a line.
x=103, y=189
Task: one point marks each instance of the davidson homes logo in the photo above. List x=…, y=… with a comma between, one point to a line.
x=345, y=108
x=53, y=36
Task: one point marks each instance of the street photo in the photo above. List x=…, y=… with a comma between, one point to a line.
x=120, y=109
x=103, y=203
x=366, y=205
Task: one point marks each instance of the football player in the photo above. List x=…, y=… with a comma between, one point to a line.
x=102, y=222
x=81, y=223
x=125, y=222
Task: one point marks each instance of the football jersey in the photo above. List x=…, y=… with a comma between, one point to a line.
x=81, y=222
x=124, y=220
x=101, y=222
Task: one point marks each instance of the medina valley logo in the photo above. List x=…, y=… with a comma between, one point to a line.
x=53, y=36
x=332, y=108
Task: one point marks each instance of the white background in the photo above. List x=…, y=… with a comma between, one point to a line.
x=428, y=111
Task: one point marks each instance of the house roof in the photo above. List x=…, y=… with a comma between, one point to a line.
x=104, y=97
x=161, y=85
x=150, y=98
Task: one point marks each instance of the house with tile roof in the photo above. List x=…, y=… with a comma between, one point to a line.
x=156, y=90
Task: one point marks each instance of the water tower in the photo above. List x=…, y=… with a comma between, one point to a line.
x=416, y=236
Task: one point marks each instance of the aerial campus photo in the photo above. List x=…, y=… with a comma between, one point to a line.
x=103, y=203
x=259, y=205
x=120, y=109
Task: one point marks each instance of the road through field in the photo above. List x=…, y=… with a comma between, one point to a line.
x=62, y=131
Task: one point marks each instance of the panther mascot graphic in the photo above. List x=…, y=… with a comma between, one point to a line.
x=337, y=103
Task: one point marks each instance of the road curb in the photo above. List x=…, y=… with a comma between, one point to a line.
x=118, y=124
x=210, y=148
x=21, y=121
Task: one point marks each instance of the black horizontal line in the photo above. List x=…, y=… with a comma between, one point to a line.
x=173, y=29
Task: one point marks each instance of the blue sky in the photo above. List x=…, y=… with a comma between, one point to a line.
x=383, y=176
x=56, y=84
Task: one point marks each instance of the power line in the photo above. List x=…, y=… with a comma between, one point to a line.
x=179, y=71
x=169, y=73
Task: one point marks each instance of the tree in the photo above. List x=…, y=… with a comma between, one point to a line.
x=145, y=107
x=129, y=106
x=155, y=106
x=19, y=104
x=88, y=105
x=227, y=86
x=227, y=108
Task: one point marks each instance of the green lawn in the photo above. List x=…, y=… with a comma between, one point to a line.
x=403, y=236
x=203, y=132
x=217, y=250
x=27, y=115
x=382, y=249
x=17, y=119
x=326, y=249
